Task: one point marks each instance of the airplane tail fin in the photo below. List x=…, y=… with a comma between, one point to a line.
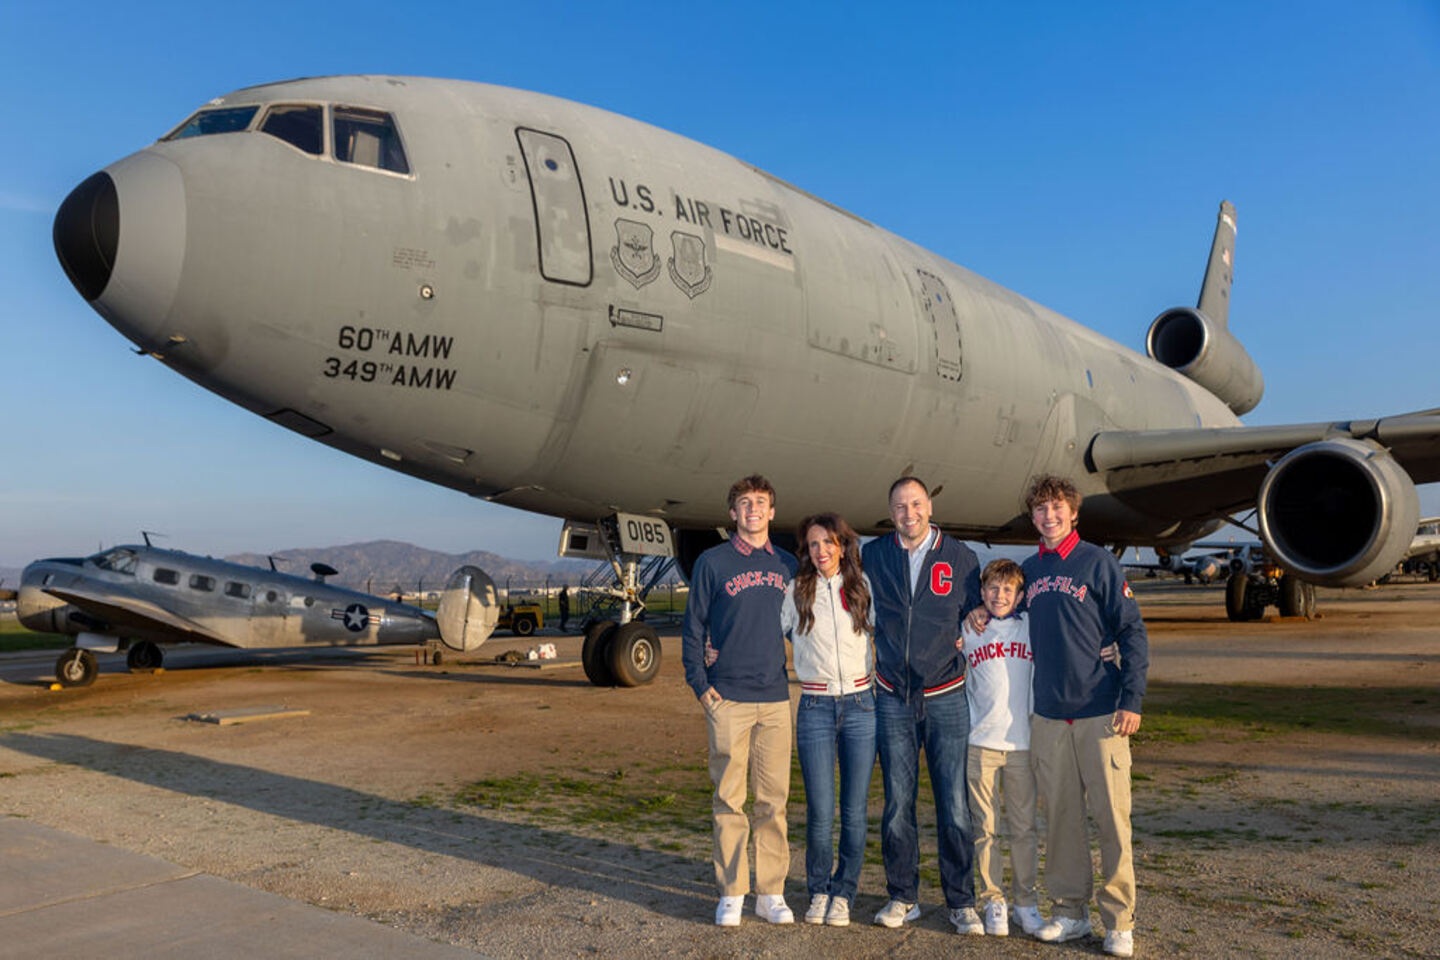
x=1196, y=342
x=1215, y=289
x=468, y=610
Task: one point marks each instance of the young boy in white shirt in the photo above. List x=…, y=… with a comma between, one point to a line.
x=1000, y=669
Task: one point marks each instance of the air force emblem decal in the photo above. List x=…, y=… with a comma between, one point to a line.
x=355, y=617
x=688, y=267
x=634, y=255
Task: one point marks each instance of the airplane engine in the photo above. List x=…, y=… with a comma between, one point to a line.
x=1338, y=512
x=469, y=608
x=1207, y=569
x=1190, y=343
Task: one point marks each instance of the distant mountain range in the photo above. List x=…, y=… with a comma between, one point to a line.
x=383, y=565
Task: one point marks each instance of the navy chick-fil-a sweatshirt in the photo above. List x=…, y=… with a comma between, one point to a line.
x=736, y=591
x=1078, y=601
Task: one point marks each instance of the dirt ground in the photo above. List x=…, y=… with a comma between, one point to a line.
x=1286, y=800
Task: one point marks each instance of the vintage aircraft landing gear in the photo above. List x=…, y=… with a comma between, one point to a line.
x=76, y=668
x=626, y=652
x=144, y=655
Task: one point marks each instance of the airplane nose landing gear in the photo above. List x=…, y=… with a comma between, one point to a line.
x=640, y=551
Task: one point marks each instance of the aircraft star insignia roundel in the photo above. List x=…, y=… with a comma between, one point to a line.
x=356, y=617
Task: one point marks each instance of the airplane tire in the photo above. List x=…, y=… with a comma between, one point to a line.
x=1235, y=589
x=524, y=626
x=595, y=654
x=144, y=656
x=1297, y=598
x=634, y=654
x=76, y=668
x=1432, y=571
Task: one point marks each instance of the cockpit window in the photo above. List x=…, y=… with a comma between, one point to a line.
x=216, y=120
x=298, y=124
x=119, y=560
x=368, y=138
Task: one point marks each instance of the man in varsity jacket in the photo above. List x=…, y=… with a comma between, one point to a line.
x=924, y=583
x=736, y=592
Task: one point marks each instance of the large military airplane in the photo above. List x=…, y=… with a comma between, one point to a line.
x=556, y=308
x=135, y=598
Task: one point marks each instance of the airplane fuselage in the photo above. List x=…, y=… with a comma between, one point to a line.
x=567, y=311
x=166, y=596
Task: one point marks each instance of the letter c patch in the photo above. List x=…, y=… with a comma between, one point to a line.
x=940, y=578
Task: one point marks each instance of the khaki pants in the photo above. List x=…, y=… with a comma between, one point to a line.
x=1076, y=763
x=983, y=771
x=751, y=738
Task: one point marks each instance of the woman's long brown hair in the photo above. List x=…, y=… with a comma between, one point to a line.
x=853, y=590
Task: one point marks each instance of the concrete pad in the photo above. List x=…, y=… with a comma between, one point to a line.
x=63, y=896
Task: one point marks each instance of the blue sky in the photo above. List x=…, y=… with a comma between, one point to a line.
x=1073, y=152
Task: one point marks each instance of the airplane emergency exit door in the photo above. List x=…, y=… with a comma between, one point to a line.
x=562, y=225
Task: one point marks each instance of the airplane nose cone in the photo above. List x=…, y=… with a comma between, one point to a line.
x=120, y=236
x=86, y=232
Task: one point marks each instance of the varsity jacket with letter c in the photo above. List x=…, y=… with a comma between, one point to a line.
x=915, y=631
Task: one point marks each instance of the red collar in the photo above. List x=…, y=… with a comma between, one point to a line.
x=745, y=548
x=1065, y=546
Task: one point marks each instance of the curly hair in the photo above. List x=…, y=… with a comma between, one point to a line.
x=754, y=483
x=1050, y=487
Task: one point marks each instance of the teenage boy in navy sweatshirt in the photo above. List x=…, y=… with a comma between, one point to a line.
x=736, y=592
x=923, y=583
x=1086, y=707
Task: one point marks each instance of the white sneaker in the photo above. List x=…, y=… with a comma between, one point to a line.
x=966, y=920
x=1060, y=929
x=1029, y=919
x=1120, y=943
x=896, y=914
x=996, y=923
x=839, y=915
x=771, y=907
x=819, y=907
x=727, y=914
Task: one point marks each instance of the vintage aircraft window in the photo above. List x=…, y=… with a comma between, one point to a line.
x=198, y=581
x=217, y=120
x=368, y=138
x=119, y=560
x=271, y=596
x=309, y=601
x=298, y=124
x=240, y=591
x=166, y=576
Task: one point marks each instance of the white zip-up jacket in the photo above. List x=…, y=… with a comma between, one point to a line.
x=832, y=659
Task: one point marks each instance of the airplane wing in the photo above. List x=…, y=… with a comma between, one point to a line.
x=120, y=609
x=1207, y=473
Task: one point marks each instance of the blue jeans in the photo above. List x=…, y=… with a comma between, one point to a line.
x=942, y=726
x=823, y=724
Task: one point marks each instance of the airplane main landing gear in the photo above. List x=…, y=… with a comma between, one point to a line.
x=1297, y=598
x=76, y=668
x=144, y=655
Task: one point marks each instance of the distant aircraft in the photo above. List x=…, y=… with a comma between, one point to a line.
x=556, y=308
x=1424, y=553
x=135, y=598
x=1203, y=567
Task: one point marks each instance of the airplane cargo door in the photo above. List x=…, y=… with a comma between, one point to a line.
x=562, y=226
x=944, y=325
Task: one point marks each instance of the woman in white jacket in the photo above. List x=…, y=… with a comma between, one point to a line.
x=828, y=614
